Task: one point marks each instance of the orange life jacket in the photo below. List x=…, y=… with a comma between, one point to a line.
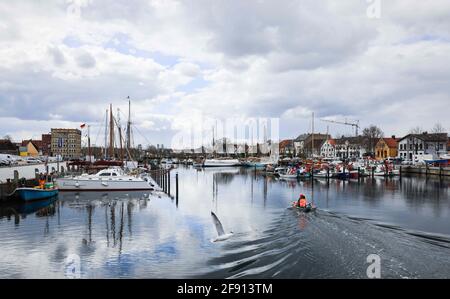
x=302, y=203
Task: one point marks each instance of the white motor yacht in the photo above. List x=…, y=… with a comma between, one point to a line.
x=111, y=179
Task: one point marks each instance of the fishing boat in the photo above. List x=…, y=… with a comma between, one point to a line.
x=31, y=194
x=111, y=179
x=259, y=162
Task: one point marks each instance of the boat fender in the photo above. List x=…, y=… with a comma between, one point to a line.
x=105, y=184
x=77, y=185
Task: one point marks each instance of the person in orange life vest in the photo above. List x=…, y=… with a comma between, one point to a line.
x=41, y=181
x=302, y=202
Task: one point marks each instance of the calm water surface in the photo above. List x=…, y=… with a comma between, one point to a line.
x=139, y=235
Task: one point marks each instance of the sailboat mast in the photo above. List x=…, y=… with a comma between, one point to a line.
x=119, y=127
x=312, y=140
x=129, y=125
x=106, y=136
x=89, y=144
x=111, y=133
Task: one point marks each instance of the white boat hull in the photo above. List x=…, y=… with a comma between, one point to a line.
x=73, y=184
x=289, y=176
x=221, y=163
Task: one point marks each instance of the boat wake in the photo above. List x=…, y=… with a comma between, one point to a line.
x=326, y=245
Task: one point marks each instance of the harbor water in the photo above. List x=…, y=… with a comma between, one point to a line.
x=138, y=235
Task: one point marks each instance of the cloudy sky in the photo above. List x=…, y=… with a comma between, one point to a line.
x=63, y=61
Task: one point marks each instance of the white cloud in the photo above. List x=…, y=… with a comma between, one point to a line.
x=252, y=58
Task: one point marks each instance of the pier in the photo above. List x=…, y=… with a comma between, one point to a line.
x=163, y=178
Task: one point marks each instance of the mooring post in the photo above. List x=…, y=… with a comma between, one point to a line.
x=165, y=180
x=176, y=188
x=373, y=172
x=328, y=174
x=163, y=174
x=16, y=177
x=168, y=182
x=156, y=172
x=359, y=174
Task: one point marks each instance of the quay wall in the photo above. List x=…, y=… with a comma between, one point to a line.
x=426, y=171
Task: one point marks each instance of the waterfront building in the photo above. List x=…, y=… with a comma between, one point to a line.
x=7, y=147
x=286, y=147
x=66, y=143
x=46, y=144
x=30, y=148
x=448, y=146
x=318, y=140
x=386, y=148
x=328, y=149
x=350, y=147
x=415, y=146
x=299, y=144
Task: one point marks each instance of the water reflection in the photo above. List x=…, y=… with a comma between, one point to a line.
x=135, y=234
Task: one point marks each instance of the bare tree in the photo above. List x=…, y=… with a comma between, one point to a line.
x=438, y=128
x=371, y=135
x=7, y=137
x=416, y=130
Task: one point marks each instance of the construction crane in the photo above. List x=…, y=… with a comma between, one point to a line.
x=347, y=123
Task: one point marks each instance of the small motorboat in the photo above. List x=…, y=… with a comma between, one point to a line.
x=288, y=176
x=30, y=194
x=309, y=208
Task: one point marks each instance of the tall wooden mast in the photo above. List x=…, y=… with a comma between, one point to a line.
x=111, y=133
x=312, y=136
x=89, y=144
x=128, y=144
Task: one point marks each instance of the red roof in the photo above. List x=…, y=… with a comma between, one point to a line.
x=285, y=143
x=332, y=142
x=391, y=142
